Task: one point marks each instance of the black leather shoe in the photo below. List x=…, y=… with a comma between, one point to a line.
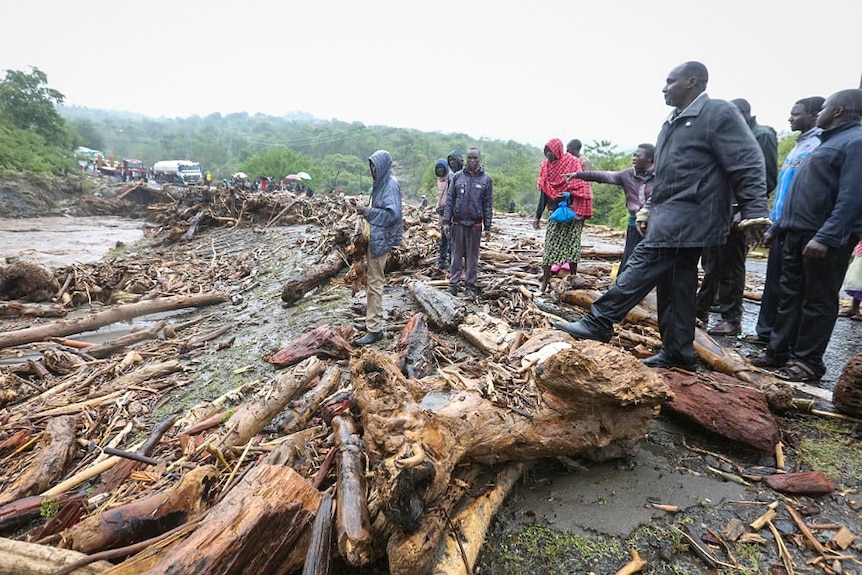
x=360, y=327
x=579, y=330
x=369, y=338
x=453, y=290
x=728, y=328
x=662, y=360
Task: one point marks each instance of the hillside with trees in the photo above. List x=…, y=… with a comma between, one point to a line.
x=38, y=134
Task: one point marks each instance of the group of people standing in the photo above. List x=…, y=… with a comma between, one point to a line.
x=708, y=203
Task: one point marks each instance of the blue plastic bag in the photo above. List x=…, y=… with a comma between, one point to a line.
x=563, y=214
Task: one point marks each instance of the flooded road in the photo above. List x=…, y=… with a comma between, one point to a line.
x=58, y=241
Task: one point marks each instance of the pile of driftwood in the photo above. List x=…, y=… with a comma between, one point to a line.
x=404, y=453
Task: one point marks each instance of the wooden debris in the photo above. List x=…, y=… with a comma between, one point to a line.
x=311, y=277
x=636, y=565
x=353, y=522
x=107, y=317
x=442, y=310
x=325, y=341
x=800, y=483
x=20, y=558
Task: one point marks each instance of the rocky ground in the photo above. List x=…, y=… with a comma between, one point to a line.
x=681, y=502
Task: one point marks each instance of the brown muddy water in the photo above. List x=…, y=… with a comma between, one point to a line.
x=58, y=241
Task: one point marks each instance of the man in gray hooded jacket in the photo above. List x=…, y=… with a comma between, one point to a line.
x=385, y=219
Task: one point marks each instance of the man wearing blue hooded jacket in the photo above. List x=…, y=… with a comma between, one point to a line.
x=385, y=218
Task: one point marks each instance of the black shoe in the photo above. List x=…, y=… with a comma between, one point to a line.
x=661, y=359
x=726, y=328
x=472, y=294
x=369, y=338
x=580, y=330
x=360, y=327
x=453, y=290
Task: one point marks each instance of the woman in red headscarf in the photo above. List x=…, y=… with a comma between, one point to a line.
x=562, y=240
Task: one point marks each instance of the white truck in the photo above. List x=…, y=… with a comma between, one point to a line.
x=181, y=172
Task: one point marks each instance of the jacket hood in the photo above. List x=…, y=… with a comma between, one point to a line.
x=441, y=162
x=556, y=146
x=383, y=162
x=456, y=154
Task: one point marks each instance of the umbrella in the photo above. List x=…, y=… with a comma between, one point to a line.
x=240, y=176
x=292, y=177
x=303, y=175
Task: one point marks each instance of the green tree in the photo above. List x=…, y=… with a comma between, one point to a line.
x=27, y=103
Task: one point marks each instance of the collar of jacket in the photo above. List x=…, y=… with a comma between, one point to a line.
x=826, y=134
x=692, y=109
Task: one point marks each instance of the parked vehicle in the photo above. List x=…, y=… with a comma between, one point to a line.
x=133, y=169
x=182, y=172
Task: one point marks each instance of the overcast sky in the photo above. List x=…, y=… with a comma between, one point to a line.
x=524, y=71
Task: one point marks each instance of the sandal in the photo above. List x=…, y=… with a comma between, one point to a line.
x=797, y=370
x=765, y=359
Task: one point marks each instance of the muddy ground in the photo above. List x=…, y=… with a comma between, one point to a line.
x=564, y=516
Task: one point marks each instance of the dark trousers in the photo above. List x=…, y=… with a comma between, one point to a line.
x=633, y=238
x=673, y=272
x=724, y=277
x=808, y=305
x=771, y=289
x=443, y=258
x=465, y=242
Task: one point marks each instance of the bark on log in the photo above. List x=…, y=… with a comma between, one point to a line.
x=251, y=417
x=319, y=556
x=725, y=406
x=261, y=526
x=143, y=519
x=353, y=522
x=107, y=317
x=471, y=524
x=27, y=508
x=301, y=410
x=595, y=401
x=55, y=451
x=312, y=277
x=414, y=348
x=442, y=310
x=20, y=558
x=324, y=340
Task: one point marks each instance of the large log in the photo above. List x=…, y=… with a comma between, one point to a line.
x=107, y=317
x=252, y=416
x=145, y=518
x=20, y=309
x=261, y=526
x=725, y=406
x=324, y=340
x=353, y=522
x=414, y=348
x=443, y=310
x=594, y=401
x=20, y=558
x=311, y=277
x=55, y=451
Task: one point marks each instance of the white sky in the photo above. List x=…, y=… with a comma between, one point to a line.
x=512, y=70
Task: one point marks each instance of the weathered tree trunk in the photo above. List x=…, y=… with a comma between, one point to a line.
x=353, y=523
x=415, y=349
x=20, y=558
x=442, y=310
x=310, y=278
x=55, y=451
x=324, y=340
x=261, y=526
x=471, y=524
x=725, y=406
x=319, y=556
x=107, y=317
x=492, y=336
x=143, y=519
x=303, y=408
x=595, y=401
x=253, y=416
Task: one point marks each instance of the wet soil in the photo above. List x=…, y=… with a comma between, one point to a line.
x=565, y=516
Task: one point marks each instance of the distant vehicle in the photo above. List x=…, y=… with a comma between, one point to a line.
x=133, y=169
x=182, y=172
